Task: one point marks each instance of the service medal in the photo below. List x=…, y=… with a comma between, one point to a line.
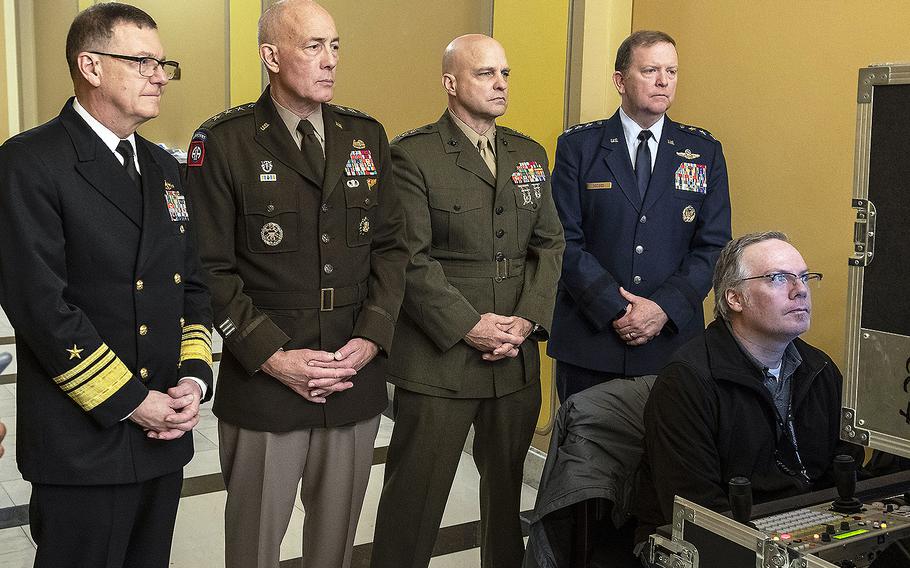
x=688, y=214
x=272, y=234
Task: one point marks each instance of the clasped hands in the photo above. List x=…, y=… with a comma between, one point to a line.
x=498, y=336
x=315, y=374
x=169, y=415
x=642, y=322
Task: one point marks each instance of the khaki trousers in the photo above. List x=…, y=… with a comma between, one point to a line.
x=261, y=472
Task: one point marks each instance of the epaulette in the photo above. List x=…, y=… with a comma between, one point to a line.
x=696, y=130
x=583, y=126
x=228, y=114
x=514, y=132
x=351, y=112
x=421, y=130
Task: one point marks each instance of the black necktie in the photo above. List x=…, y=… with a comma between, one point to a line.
x=643, y=162
x=125, y=149
x=312, y=149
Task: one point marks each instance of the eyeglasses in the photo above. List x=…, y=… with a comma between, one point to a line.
x=148, y=65
x=781, y=279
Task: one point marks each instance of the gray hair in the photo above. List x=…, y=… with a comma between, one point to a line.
x=729, y=270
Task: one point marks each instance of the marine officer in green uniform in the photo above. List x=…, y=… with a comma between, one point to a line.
x=307, y=273
x=486, y=249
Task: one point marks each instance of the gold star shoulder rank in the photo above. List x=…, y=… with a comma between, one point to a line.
x=228, y=114
x=348, y=111
x=583, y=126
x=697, y=131
x=415, y=131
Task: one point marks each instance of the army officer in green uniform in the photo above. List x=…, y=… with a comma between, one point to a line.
x=307, y=273
x=486, y=246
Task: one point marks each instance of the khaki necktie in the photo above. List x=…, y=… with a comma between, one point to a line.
x=486, y=152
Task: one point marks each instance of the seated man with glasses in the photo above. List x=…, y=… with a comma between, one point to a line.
x=748, y=397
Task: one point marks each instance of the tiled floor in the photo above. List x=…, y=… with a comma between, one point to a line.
x=199, y=535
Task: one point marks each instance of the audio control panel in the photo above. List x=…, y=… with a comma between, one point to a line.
x=852, y=540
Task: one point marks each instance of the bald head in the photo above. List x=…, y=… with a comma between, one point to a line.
x=298, y=45
x=475, y=75
x=278, y=21
x=463, y=49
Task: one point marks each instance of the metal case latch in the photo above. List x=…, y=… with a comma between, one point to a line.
x=863, y=233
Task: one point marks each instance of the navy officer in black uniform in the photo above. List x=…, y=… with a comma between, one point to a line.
x=645, y=208
x=100, y=279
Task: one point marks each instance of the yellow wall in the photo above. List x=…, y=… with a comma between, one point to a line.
x=390, y=64
x=245, y=68
x=776, y=82
x=536, y=50
x=603, y=26
x=52, y=78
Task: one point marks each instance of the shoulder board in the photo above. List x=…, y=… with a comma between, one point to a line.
x=414, y=131
x=514, y=132
x=696, y=130
x=583, y=126
x=351, y=112
x=228, y=114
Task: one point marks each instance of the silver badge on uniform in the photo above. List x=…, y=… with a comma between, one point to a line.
x=353, y=183
x=272, y=234
x=266, y=165
x=526, y=195
x=364, y=226
x=688, y=214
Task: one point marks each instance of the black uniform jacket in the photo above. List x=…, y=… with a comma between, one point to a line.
x=292, y=264
x=103, y=287
x=479, y=244
x=710, y=418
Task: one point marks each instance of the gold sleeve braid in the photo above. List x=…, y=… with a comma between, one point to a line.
x=196, y=343
x=95, y=378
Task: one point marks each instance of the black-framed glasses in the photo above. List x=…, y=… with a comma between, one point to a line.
x=781, y=279
x=148, y=65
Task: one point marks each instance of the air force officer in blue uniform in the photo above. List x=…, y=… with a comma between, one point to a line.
x=646, y=210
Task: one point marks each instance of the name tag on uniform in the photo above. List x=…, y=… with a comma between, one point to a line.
x=599, y=185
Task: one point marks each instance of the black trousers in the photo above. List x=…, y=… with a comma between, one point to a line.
x=105, y=526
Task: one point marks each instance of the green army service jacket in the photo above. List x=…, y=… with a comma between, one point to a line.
x=294, y=264
x=478, y=244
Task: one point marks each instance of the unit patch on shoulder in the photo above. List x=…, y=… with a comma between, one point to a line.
x=196, y=154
